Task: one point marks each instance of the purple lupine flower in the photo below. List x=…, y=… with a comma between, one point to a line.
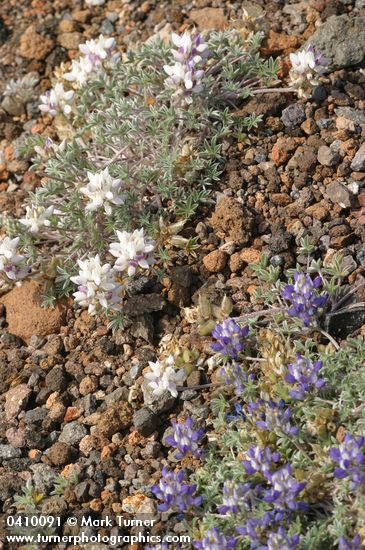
x=351, y=460
x=161, y=546
x=185, y=439
x=233, y=374
x=284, y=490
x=281, y=541
x=230, y=338
x=272, y=416
x=215, y=540
x=175, y=494
x=254, y=529
x=237, y=496
x=354, y=544
x=259, y=460
x=304, y=374
x=305, y=302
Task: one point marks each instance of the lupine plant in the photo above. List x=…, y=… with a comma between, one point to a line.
x=286, y=470
x=139, y=145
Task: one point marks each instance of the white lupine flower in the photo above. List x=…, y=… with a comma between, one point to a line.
x=57, y=100
x=182, y=74
x=97, y=50
x=37, y=217
x=132, y=251
x=94, y=2
x=164, y=377
x=81, y=71
x=185, y=76
x=10, y=261
x=188, y=48
x=97, y=285
x=102, y=191
x=307, y=65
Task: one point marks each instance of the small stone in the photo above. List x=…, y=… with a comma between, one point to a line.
x=339, y=194
x=43, y=477
x=56, y=379
x=54, y=346
x=16, y=400
x=280, y=153
x=139, y=504
x=7, y=452
x=66, y=25
x=115, y=419
x=34, y=45
x=16, y=437
x=358, y=162
x=231, y=221
x=280, y=241
x=350, y=119
x=194, y=378
x=209, y=19
x=293, y=115
x=327, y=156
x=235, y=262
x=309, y=126
x=215, y=261
x=250, y=255
x=70, y=40
x=89, y=384
x=317, y=211
x=60, y=453
x=72, y=433
x=106, y=27
x=13, y=105
x=145, y=421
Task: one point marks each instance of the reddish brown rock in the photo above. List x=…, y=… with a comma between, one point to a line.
x=231, y=221
x=60, y=453
x=250, y=256
x=317, y=211
x=115, y=419
x=280, y=153
x=235, y=262
x=34, y=45
x=25, y=315
x=215, y=261
x=89, y=384
x=278, y=43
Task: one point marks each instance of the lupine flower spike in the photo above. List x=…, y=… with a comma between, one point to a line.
x=230, y=337
x=350, y=458
x=305, y=302
x=303, y=374
x=133, y=251
x=97, y=286
x=307, y=66
x=185, y=76
x=175, y=494
x=185, y=439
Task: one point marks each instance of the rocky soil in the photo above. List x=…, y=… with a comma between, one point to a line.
x=71, y=402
